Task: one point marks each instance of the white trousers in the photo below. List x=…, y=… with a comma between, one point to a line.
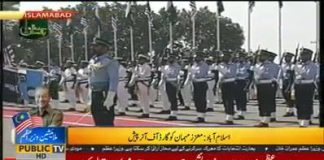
x=122, y=96
x=164, y=98
x=143, y=97
x=210, y=94
x=186, y=93
x=70, y=94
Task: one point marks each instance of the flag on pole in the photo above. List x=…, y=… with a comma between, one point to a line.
x=58, y=28
x=251, y=5
x=148, y=13
x=172, y=13
x=280, y=4
x=9, y=55
x=193, y=8
x=129, y=14
x=97, y=17
x=220, y=7
x=114, y=22
x=22, y=121
x=84, y=22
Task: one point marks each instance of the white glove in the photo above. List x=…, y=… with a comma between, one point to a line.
x=95, y=67
x=109, y=102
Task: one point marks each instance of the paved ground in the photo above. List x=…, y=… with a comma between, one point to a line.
x=215, y=119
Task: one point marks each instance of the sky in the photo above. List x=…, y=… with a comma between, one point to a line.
x=298, y=20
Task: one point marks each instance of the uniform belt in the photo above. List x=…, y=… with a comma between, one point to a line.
x=171, y=79
x=241, y=78
x=305, y=81
x=200, y=80
x=265, y=81
x=228, y=80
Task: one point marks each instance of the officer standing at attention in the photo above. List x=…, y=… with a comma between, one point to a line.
x=266, y=81
x=122, y=95
x=228, y=69
x=305, y=84
x=242, y=84
x=103, y=82
x=161, y=87
x=199, y=78
x=68, y=81
x=287, y=81
x=172, y=86
x=276, y=83
x=83, y=83
x=186, y=89
x=142, y=76
x=211, y=84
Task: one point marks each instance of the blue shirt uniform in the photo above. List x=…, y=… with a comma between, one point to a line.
x=242, y=72
x=171, y=72
x=306, y=73
x=227, y=72
x=106, y=77
x=200, y=72
x=267, y=72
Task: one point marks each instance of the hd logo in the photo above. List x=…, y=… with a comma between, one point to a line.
x=41, y=151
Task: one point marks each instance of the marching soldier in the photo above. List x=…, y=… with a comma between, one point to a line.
x=161, y=87
x=211, y=84
x=199, y=79
x=153, y=91
x=141, y=78
x=266, y=82
x=228, y=70
x=68, y=81
x=186, y=88
x=242, y=84
x=83, y=82
x=305, y=85
x=276, y=83
x=103, y=82
x=54, y=80
x=287, y=81
x=122, y=94
x=172, y=79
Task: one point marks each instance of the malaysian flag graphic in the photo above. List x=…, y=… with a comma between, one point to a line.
x=22, y=121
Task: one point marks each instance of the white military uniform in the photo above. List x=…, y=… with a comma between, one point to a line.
x=211, y=83
x=164, y=97
x=153, y=91
x=143, y=73
x=69, y=93
x=83, y=78
x=186, y=91
x=122, y=93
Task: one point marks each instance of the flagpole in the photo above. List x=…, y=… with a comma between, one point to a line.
x=48, y=54
x=115, y=42
x=150, y=38
x=318, y=27
x=98, y=34
x=249, y=30
x=60, y=49
x=171, y=38
x=85, y=44
x=132, y=44
x=218, y=32
x=279, y=32
x=193, y=33
x=72, y=47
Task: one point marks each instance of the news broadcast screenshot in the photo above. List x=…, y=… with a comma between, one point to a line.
x=161, y=80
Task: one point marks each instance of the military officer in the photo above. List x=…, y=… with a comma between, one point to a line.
x=266, y=82
x=242, y=75
x=122, y=94
x=68, y=80
x=54, y=80
x=199, y=78
x=172, y=79
x=186, y=88
x=211, y=83
x=305, y=84
x=83, y=82
x=103, y=82
x=142, y=76
x=228, y=70
x=287, y=80
x=162, y=88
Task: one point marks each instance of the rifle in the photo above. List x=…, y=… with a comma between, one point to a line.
x=291, y=73
x=315, y=57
